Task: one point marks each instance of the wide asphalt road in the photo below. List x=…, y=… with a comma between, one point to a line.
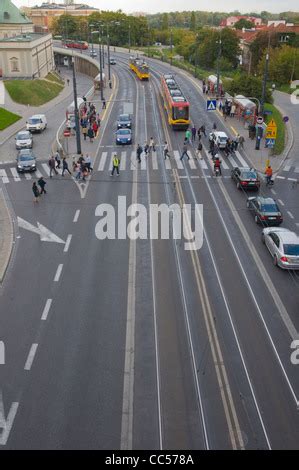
x=123, y=344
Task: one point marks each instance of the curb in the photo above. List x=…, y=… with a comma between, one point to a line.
x=6, y=235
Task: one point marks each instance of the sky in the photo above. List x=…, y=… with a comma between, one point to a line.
x=155, y=6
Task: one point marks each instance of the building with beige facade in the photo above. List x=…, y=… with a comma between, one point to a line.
x=26, y=56
x=12, y=21
x=42, y=16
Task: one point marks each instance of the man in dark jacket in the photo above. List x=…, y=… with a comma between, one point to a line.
x=42, y=183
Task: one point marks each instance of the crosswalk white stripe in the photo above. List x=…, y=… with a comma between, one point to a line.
x=102, y=161
x=28, y=176
x=287, y=167
x=122, y=166
x=38, y=174
x=224, y=164
x=192, y=163
x=15, y=174
x=232, y=161
x=203, y=164
x=111, y=162
x=143, y=162
x=155, y=161
x=133, y=161
x=241, y=159
x=4, y=177
x=46, y=168
x=167, y=164
x=177, y=159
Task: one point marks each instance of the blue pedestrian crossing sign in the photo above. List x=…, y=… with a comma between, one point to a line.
x=211, y=105
x=270, y=143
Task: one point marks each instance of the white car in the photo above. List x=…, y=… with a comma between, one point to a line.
x=283, y=246
x=24, y=140
x=220, y=138
x=36, y=123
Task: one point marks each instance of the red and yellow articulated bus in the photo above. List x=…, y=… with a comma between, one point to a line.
x=175, y=103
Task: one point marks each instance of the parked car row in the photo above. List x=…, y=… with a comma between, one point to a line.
x=26, y=160
x=124, y=130
x=282, y=243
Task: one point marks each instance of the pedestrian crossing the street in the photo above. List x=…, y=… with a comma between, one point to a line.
x=128, y=162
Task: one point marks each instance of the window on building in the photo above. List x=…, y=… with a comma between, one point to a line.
x=6, y=15
x=14, y=64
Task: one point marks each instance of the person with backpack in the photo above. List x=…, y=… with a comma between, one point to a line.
x=42, y=183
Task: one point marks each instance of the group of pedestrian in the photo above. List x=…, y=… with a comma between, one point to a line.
x=90, y=121
x=82, y=167
x=39, y=188
x=227, y=108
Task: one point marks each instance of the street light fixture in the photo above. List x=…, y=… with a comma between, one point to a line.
x=101, y=70
x=171, y=47
x=218, y=63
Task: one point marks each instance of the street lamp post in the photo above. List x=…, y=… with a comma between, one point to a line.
x=100, y=59
x=265, y=76
x=77, y=123
x=129, y=38
x=218, y=64
x=90, y=28
x=171, y=47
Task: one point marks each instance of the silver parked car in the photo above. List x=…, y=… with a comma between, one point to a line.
x=283, y=246
x=24, y=140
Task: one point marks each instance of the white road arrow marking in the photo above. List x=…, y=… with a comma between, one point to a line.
x=45, y=234
x=6, y=424
x=2, y=353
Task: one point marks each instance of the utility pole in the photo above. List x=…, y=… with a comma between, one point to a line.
x=171, y=47
x=148, y=41
x=101, y=69
x=265, y=77
x=108, y=52
x=218, y=64
x=77, y=123
x=129, y=38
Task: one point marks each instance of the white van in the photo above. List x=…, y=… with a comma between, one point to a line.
x=36, y=123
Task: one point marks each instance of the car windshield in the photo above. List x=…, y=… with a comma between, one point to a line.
x=222, y=139
x=291, y=250
x=269, y=208
x=26, y=158
x=124, y=132
x=34, y=121
x=249, y=175
x=23, y=136
x=124, y=117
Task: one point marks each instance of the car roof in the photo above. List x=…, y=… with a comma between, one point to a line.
x=124, y=115
x=288, y=236
x=24, y=132
x=39, y=116
x=220, y=134
x=266, y=200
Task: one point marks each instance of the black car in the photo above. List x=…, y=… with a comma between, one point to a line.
x=26, y=161
x=265, y=210
x=123, y=136
x=246, y=178
x=124, y=121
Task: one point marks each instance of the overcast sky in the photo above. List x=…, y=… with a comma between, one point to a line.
x=154, y=6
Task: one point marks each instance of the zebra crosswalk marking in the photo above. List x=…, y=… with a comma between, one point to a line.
x=46, y=168
x=133, y=163
x=38, y=174
x=167, y=164
x=28, y=176
x=122, y=165
x=192, y=163
x=4, y=177
x=143, y=162
x=15, y=174
x=241, y=159
x=177, y=160
x=155, y=161
x=232, y=161
x=287, y=167
x=102, y=161
x=224, y=164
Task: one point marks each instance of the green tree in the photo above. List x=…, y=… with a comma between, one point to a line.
x=193, y=21
x=165, y=22
x=259, y=45
x=283, y=64
x=64, y=25
x=248, y=86
x=243, y=23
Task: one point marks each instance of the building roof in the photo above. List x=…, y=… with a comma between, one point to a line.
x=10, y=14
x=59, y=6
x=29, y=37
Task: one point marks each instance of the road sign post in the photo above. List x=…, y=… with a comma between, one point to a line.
x=271, y=131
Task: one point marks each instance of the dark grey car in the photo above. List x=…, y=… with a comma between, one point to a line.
x=124, y=121
x=26, y=161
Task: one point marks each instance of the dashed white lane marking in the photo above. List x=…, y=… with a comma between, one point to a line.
x=67, y=243
x=15, y=174
x=273, y=191
x=280, y=202
x=280, y=177
x=76, y=216
x=102, y=161
x=46, y=309
x=290, y=214
x=4, y=176
x=30, y=357
x=155, y=161
x=122, y=165
x=46, y=168
x=58, y=273
x=292, y=179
